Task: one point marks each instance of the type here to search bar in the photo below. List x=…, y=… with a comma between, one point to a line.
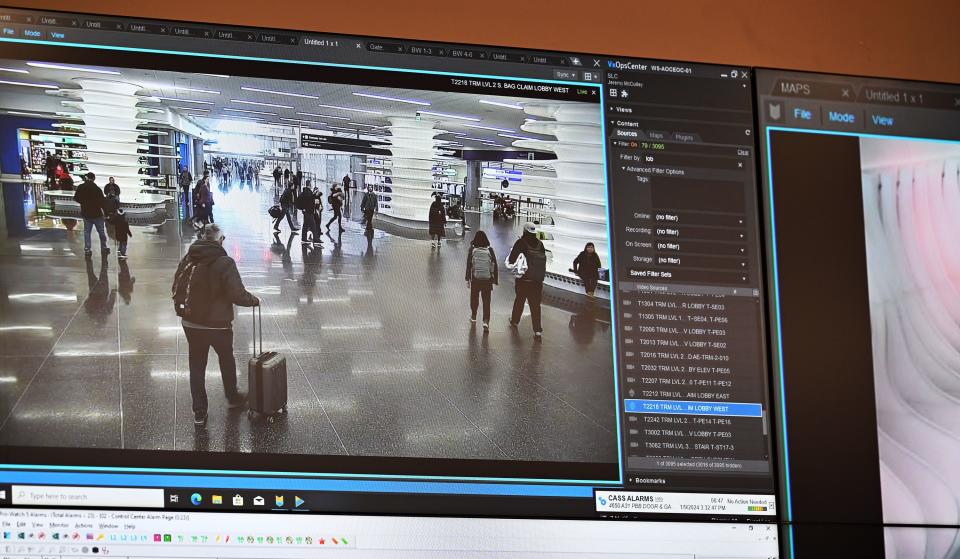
x=66, y=496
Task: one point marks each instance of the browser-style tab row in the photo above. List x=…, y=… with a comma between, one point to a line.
x=17, y=18
x=277, y=39
x=836, y=91
x=102, y=24
x=234, y=35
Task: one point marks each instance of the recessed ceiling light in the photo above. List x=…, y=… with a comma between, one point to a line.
x=216, y=75
x=250, y=112
x=447, y=115
x=494, y=128
x=302, y=120
x=259, y=104
x=14, y=70
x=195, y=90
x=395, y=99
x=324, y=116
x=351, y=109
x=22, y=113
x=26, y=84
x=185, y=100
x=51, y=66
x=272, y=92
x=502, y=104
x=233, y=117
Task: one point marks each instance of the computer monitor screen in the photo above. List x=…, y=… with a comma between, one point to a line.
x=250, y=270
x=861, y=179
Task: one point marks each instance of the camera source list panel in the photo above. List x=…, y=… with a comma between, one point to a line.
x=689, y=306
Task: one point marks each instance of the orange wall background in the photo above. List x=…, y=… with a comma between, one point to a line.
x=915, y=39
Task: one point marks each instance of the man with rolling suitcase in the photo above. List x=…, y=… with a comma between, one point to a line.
x=206, y=286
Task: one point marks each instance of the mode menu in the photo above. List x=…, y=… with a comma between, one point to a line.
x=687, y=262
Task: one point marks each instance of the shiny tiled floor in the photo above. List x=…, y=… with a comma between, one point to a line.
x=382, y=358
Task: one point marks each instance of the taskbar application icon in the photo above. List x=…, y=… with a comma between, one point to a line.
x=225, y=499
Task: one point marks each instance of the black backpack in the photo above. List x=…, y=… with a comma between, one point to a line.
x=193, y=291
x=536, y=262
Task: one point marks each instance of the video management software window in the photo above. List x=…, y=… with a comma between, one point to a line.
x=862, y=182
x=65, y=533
x=393, y=390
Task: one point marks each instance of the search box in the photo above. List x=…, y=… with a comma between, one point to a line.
x=62, y=496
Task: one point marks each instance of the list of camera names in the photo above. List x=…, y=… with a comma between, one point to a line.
x=690, y=357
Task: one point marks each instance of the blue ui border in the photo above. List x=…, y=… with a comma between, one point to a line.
x=776, y=278
x=67, y=475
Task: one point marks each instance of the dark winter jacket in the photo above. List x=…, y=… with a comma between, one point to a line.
x=437, y=217
x=369, y=203
x=112, y=190
x=493, y=256
x=336, y=198
x=587, y=265
x=304, y=201
x=288, y=197
x=90, y=198
x=121, y=228
x=228, y=287
x=201, y=194
x=110, y=206
x=437, y=214
x=526, y=245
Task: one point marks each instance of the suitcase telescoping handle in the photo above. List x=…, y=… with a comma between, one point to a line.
x=257, y=317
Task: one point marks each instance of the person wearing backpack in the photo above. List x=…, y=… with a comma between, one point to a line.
x=587, y=266
x=437, y=217
x=206, y=286
x=336, y=204
x=287, y=201
x=529, y=286
x=482, y=274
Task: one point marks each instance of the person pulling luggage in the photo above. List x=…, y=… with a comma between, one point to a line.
x=206, y=286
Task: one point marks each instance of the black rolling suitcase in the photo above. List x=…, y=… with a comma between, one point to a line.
x=266, y=377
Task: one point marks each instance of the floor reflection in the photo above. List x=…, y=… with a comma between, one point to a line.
x=382, y=357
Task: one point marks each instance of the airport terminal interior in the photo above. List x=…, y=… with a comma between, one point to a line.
x=383, y=359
